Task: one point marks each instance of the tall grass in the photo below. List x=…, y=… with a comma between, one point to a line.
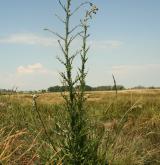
x=137, y=142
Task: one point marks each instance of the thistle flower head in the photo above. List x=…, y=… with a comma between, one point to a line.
x=93, y=10
x=34, y=96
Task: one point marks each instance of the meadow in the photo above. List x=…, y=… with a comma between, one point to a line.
x=129, y=123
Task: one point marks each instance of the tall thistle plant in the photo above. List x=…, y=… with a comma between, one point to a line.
x=77, y=148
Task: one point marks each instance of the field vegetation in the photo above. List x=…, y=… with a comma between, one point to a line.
x=129, y=124
x=79, y=127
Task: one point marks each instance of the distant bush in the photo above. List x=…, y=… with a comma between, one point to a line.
x=57, y=89
x=87, y=88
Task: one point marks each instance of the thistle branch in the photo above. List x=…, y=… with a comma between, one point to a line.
x=63, y=7
x=59, y=18
x=55, y=33
x=77, y=8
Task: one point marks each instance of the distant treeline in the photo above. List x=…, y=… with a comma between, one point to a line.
x=58, y=88
x=7, y=91
x=87, y=88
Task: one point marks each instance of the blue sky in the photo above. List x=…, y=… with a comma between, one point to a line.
x=125, y=38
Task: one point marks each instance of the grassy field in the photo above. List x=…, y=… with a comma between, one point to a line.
x=130, y=123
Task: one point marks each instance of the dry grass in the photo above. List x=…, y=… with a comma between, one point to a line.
x=131, y=125
x=14, y=149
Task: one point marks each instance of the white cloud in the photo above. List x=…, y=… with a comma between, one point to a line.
x=105, y=44
x=127, y=75
x=36, y=68
x=27, y=81
x=37, y=76
x=121, y=69
x=29, y=39
x=126, y=69
x=132, y=75
x=34, y=39
x=30, y=68
x=30, y=77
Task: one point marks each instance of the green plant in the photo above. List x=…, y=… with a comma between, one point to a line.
x=80, y=146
